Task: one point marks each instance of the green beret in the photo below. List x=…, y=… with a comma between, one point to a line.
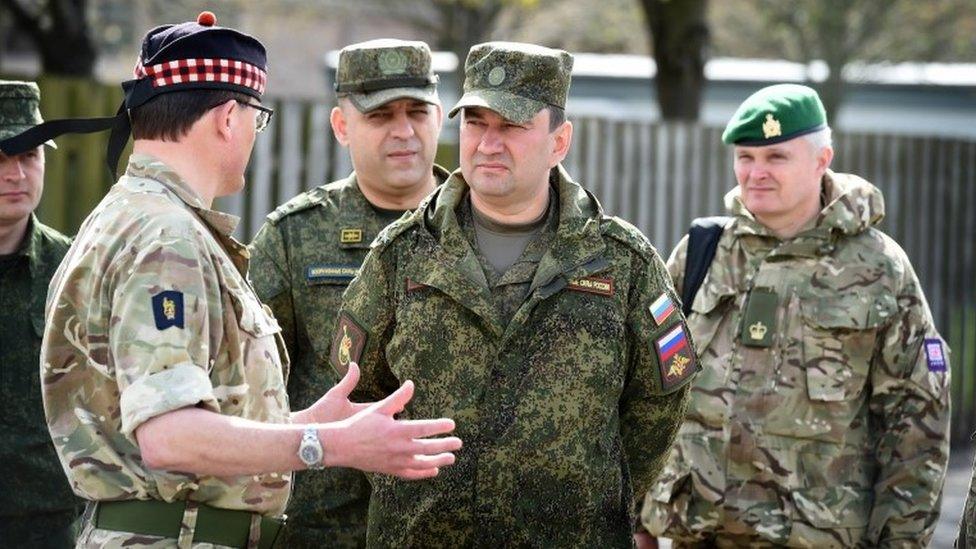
x=373, y=73
x=19, y=108
x=515, y=80
x=775, y=114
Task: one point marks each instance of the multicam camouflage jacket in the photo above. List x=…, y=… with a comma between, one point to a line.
x=822, y=422
x=302, y=260
x=150, y=312
x=565, y=410
x=33, y=482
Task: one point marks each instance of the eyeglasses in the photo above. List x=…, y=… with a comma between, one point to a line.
x=264, y=115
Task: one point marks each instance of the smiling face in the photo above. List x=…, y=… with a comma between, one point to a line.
x=506, y=160
x=780, y=183
x=21, y=185
x=392, y=146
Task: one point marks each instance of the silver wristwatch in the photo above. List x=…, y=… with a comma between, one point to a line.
x=310, y=450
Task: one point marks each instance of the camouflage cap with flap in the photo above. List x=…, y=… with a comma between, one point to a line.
x=20, y=110
x=515, y=80
x=376, y=72
x=775, y=114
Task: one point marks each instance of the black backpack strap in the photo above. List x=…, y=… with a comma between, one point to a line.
x=703, y=237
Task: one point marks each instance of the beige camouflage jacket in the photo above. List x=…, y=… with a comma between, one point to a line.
x=150, y=312
x=834, y=435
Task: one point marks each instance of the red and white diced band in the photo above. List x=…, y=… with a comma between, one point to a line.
x=183, y=71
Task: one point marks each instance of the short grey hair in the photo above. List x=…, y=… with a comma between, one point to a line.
x=820, y=139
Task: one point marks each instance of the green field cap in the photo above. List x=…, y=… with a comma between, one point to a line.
x=515, y=80
x=20, y=108
x=373, y=73
x=775, y=114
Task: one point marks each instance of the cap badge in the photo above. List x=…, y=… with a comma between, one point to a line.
x=771, y=127
x=496, y=76
x=392, y=62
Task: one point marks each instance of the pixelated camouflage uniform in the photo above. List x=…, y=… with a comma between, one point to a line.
x=303, y=258
x=837, y=434
x=37, y=507
x=106, y=367
x=562, y=409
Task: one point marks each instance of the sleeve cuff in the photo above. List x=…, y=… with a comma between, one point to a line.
x=176, y=387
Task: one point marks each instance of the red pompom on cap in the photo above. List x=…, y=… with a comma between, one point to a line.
x=206, y=19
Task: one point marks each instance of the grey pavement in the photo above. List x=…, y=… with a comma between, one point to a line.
x=953, y=498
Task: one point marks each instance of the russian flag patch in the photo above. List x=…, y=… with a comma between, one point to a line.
x=662, y=308
x=675, y=357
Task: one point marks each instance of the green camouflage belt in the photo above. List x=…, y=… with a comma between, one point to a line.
x=159, y=518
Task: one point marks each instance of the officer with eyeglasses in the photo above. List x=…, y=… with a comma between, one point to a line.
x=163, y=375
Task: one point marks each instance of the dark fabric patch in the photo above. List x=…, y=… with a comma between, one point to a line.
x=348, y=343
x=934, y=354
x=675, y=357
x=168, y=309
x=592, y=284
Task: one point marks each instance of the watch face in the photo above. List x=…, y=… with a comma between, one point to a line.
x=310, y=455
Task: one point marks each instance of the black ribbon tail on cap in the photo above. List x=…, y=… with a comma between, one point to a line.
x=37, y=135
x=121, y=128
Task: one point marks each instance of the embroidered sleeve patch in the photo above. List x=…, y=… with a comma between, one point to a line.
x=329, y=273
x=348, y=343
x=592, y=284
x=934, y=356
x=350, y=236
x=662, y=308
x=167, y=309
x=675, y=357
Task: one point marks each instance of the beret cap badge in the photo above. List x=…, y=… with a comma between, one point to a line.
x=771, y=127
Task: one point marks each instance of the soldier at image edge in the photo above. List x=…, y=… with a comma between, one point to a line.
x=163, y=375
x=389, y=116
x=821, y=415
x=37, y=508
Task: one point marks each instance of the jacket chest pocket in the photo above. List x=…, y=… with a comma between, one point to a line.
x=258, y=359
x=838, y=335
x=578, y=337
x=710, y=312
x=712, y=330
x=839, y=338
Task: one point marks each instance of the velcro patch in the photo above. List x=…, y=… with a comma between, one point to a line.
x=348, y=343
x=413, y=285
x=675, y=357
x=934, y=355
x=592, y=284
x=167, y=309
x=324, y=272
x=350, y=236
x=662, y=308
